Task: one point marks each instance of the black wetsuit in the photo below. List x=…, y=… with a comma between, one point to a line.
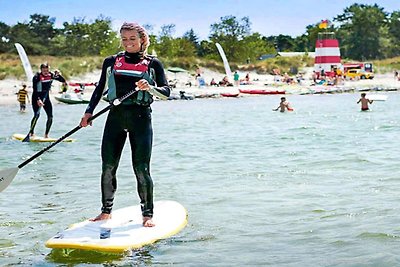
x=128, y=119
x=41, y=88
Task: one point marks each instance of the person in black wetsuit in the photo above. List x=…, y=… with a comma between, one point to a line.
x=41, y=84
x=130, y=70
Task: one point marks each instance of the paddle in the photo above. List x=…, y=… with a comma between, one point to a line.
x=7, y=175
x=35, y=118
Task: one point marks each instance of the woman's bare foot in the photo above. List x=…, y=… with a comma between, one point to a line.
x=148, y=222
x=100, y=217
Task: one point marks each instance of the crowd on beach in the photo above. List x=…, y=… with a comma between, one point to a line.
x=205, y=81
x=199, y=82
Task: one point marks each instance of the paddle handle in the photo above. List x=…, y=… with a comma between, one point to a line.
x=116, y=102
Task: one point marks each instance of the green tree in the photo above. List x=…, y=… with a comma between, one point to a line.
x=164, y=45
x=104, y=40
x=20, y=33
x=361, y=30
x=229, y=32
x=80, y=38
x=41, y=28
x=5, y=44
x=254, y=46
x=77, y=42
x=191, y=37
x=182, y=47
x=394, y=32
x=169, y=47
x=302, y=44
x=207, y=50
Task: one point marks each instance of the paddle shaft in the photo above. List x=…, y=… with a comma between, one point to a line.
x=114, y=103
x=63, y=137
x=35, y=119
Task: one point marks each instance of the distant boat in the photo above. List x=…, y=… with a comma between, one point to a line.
x=229, y=94
x=67, y=99
x=261, y=92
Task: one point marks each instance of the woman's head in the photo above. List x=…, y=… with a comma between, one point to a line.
x=134, y=38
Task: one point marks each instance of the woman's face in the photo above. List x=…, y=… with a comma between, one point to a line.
x=130, y=41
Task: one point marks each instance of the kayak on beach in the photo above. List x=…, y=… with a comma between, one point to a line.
x=67, y=99
x=229, y=94
x=261, y=92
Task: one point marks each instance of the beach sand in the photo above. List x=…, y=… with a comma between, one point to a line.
x=9, y=87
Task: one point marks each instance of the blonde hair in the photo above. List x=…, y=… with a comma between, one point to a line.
x=144, y=37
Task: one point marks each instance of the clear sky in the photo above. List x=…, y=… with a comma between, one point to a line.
x=268, y=17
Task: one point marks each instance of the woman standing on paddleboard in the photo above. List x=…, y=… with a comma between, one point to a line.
x=130, y=70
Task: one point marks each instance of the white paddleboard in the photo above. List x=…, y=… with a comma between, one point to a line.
x=376, y=97
x=36, y=138
x=124, y=231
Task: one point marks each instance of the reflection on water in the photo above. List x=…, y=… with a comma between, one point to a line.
x=139, y=257
x=76, y=256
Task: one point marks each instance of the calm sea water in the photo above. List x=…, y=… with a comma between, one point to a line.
x=315, y=187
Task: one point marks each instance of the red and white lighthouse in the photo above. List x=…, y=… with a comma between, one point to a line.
x=327, y=54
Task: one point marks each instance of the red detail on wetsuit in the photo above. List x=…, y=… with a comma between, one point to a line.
x=121, y=64
x=45, y=78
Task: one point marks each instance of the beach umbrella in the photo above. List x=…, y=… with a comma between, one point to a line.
x=176, y=70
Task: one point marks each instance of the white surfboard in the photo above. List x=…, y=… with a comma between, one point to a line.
x=124, y=231
x=376, y=97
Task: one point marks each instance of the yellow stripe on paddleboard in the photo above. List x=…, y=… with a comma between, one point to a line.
x=21, y=137
x=85, y=235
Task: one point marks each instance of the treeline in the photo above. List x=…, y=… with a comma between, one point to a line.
x=365, y=32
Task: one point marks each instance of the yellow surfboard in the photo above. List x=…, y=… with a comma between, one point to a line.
x=21, y=137
x=124, y=231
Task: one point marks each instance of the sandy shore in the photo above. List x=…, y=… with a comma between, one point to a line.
x=9, y=87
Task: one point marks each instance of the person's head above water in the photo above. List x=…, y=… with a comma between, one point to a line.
x=134, y=38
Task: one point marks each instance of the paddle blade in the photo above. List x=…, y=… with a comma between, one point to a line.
x=6, y=177
x=26, y=139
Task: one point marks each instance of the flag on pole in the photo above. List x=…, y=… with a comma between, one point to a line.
x=323, y=24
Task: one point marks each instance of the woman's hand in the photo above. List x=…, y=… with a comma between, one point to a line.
x=84, y=120
x=143, y=85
